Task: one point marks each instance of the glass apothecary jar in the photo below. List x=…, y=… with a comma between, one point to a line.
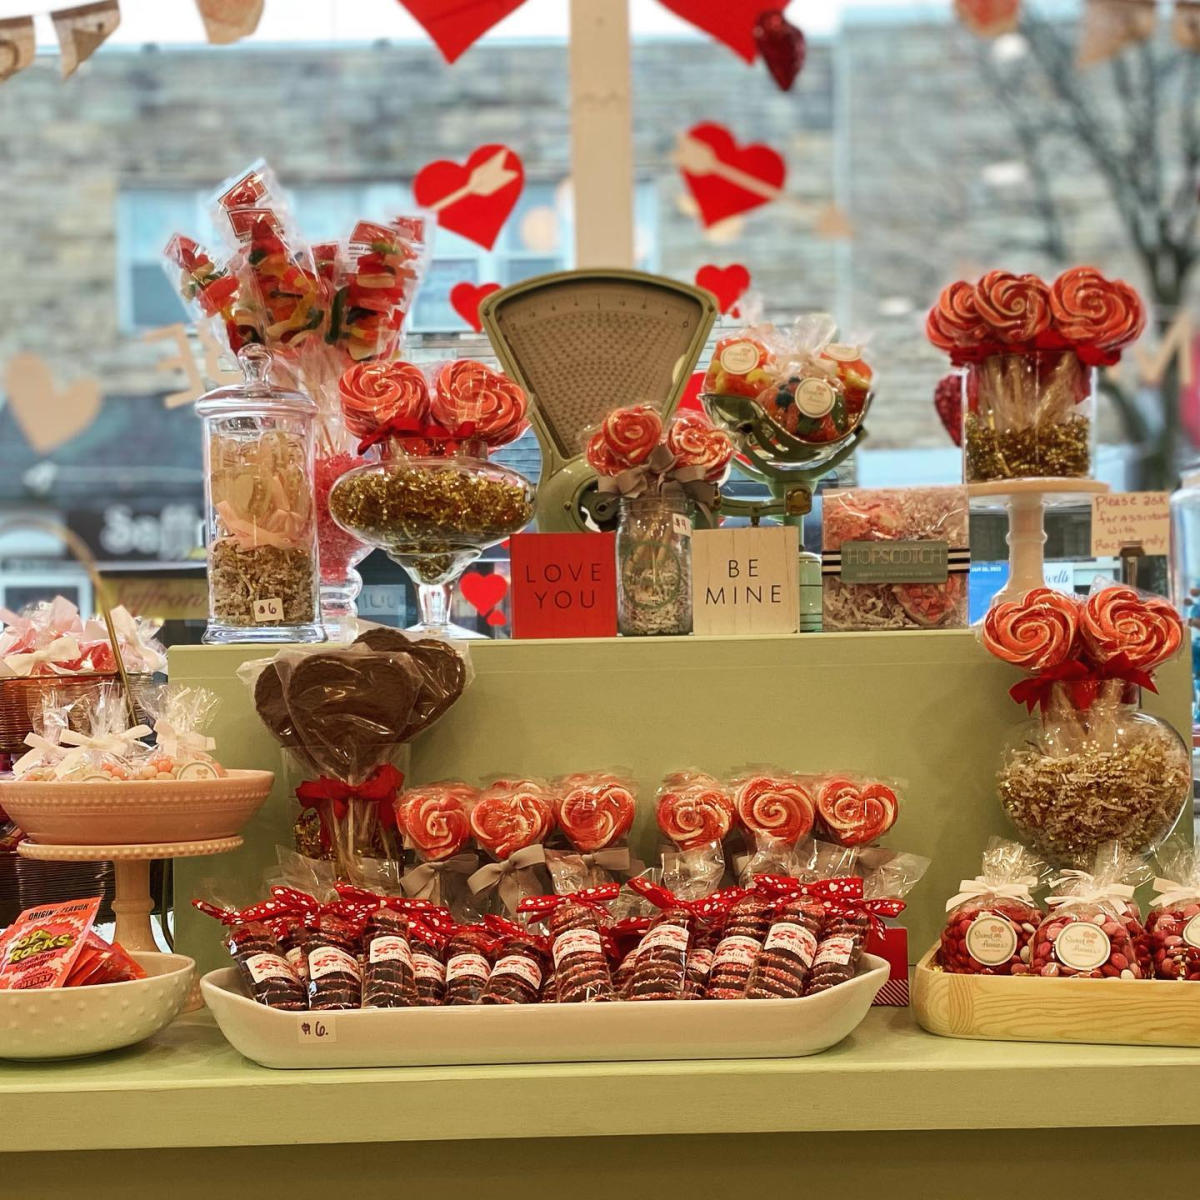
x=260, y=517
x=433, y=507
x=654, y=564
x=1029, y=415
x=1090, y=768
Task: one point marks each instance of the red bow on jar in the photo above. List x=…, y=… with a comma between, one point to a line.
x=408, y=429
x=1081, y=682
x=331, y=797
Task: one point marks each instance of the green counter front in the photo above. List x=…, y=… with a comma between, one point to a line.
x=891, y=1111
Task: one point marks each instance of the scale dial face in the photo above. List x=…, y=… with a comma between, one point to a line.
x=588, y=344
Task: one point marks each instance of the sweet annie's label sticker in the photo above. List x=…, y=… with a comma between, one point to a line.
x=991, y=940
x=1082, y=946
x=895, y=562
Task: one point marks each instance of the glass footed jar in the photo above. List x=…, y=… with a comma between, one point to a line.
x=1093, y=768
x=433, y=508
x=259, y=513
x=1029, y=416
x=654, y=564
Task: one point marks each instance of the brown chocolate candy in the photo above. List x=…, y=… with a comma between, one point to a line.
x=443, y=673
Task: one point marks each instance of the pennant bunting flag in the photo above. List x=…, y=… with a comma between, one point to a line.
x=227, y=21
x=83, y=30
x=17, y=45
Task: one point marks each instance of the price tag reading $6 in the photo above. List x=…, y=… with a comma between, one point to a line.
x=314, y=1028
x=268, y=609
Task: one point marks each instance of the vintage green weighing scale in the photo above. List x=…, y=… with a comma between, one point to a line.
x=582, y=343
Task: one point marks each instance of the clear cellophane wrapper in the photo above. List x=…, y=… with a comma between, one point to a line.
x=933, y=524
x=695, y=814
x=435, y=820
x=520, y=965
x=51, y=638
x=775, y=811
x=1172, y=929
x=183, y=750
x=993, y=917
x=474, y=402
x=1092, y=927
x=1028, y=415
x=87, y=740
x=594, y=811
x=510, y=821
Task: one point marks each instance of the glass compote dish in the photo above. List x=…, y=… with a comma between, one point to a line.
x=434, y=502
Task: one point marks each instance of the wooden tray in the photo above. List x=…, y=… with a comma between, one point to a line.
x=1113, y=1012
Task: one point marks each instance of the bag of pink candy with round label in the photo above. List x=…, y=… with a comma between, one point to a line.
x=994, y=916
x=1089, y=932
x=1173, y=926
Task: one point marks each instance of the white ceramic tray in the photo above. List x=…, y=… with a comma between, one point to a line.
x=669, y=1029
x=71, y=1022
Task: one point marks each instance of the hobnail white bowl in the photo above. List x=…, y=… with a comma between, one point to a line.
x=71, y=1022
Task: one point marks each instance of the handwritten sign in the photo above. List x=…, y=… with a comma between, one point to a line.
x=313, y=1029
x=1125, y=520
x=564, y=585
x=745, y=580
x=268, y=609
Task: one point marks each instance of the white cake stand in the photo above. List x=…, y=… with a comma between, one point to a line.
x=132, y=903
x=1026, y=501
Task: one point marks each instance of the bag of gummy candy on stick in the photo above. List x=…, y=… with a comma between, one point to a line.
x=594, y=811
x=992, y=918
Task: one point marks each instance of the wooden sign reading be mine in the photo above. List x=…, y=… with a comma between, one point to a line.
x=746, y=580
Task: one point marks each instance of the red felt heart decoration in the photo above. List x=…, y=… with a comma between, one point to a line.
x=726, y=283
x=729, y=21
x=483, y=592
x=456, y=27
x=496, y=618
x=475, y=198
x=690, y=400
x=465, y=299
x=782, y=46
x=724, y=178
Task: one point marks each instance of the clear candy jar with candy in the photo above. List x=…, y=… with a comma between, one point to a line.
x=434, y=502
x=261, y=521
x=654, y=565
x=1091, y=767
x=1030, y=353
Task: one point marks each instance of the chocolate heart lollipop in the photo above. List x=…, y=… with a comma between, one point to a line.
x=275, y=714
x=350, y=708
x=443, y=673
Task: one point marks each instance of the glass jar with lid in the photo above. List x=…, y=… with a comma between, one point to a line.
x=654, y=564
x=261, y=525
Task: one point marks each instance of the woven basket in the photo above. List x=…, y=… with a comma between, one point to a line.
x=21, y=700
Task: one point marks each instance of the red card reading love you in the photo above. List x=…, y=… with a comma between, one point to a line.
x=564, y=585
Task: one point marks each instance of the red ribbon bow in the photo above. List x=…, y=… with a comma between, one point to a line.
x=1081, y=681
x=262, y=911
x=379, y=788
x=408, y=429
x=538, y=907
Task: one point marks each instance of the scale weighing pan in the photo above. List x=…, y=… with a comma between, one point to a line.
x=582, y=343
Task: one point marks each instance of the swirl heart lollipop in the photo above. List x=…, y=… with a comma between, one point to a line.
x=600, y=458
x=696, y=442
x=1015, y=308
x=854, y=813
x=775, y=806
x=376, y=393
x=954, y=322
x=511, y=815
x=693, y=810
x=1093, y=311
x=632, y=434
x=595, y=812
x=435, y=818
x=1034, y=633
x=468, y=393
x=1116, y=621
